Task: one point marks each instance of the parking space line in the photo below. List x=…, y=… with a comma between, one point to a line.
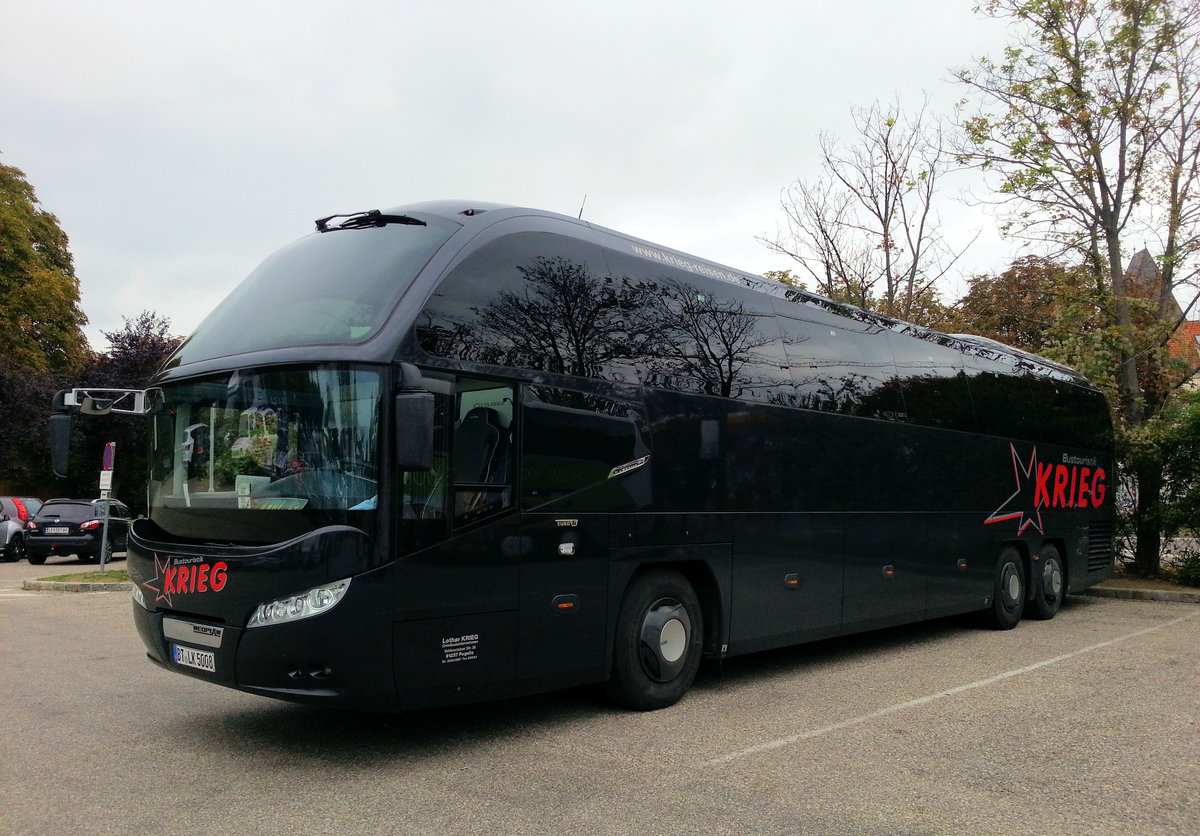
x=940, y=695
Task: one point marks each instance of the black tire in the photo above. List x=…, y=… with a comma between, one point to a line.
x=659, y=641
x=1008, y=592
x=1049, y=583
x=36, y=559
x=15, y=550
x=113, y=548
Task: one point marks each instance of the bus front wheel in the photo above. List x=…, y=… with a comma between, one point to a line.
x=1048, y=587
x=1008, y=591
x=658, y=642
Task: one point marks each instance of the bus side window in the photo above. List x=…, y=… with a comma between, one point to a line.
x=575, y=445
x=482, y=450
x=477, y=443
x=839, y=365
x=932, y=379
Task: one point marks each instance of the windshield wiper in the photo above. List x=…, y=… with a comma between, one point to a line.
x=365, y=220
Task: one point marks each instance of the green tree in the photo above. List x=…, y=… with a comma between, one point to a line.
x=1036, y=304
x=41, y=325
x=136, y=352
x=24, y=442
x=41, y=337
x=1088, y=123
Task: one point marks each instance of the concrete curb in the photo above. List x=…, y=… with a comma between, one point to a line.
x=77, y=586
x=1171, y=595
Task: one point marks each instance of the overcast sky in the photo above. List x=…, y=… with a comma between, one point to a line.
x=180, y=143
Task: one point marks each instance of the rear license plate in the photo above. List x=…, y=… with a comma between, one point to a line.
x=58, y=529
x=202, y=660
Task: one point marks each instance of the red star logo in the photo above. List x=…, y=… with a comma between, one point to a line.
x=1023, y=498
x=160, y=568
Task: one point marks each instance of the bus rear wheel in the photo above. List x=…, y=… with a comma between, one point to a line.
x=1008, y=591
x=1048, y=585
x=660, y=631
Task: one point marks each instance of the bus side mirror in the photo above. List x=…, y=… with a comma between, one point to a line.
x=414, y=422
x=60, y=442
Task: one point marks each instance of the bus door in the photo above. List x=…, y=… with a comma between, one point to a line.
x=564, y=583
x=456, y=593
x=583, y=457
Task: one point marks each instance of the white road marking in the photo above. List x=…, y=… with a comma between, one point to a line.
x=940, y=695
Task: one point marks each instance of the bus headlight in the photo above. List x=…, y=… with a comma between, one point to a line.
x=315, y=601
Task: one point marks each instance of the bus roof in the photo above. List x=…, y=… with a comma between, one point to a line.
x=464, y=224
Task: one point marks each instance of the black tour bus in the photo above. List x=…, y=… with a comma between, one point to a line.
x=452, y=452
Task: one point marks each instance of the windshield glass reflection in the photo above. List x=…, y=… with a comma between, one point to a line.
x=294, y=440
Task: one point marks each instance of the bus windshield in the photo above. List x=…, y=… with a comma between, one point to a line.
x=336, y=287
x=265, y=455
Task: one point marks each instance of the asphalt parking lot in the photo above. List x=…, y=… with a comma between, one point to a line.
x=1086, y=724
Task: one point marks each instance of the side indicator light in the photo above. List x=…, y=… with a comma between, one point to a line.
x=565, y=604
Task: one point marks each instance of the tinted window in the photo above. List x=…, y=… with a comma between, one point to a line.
x=839, y=365
x=473, y=459
x=333, y=287
x=482, y=451
x=1006, y=397
x=704, y=336
x=1085, y=417
x=1074, y=416
x=69, y=511
x=578, y=445
x=539, y=302
x=932, y=379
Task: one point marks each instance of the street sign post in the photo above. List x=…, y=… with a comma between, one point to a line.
x=106, y=477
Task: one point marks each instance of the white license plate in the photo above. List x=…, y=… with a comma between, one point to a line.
x=203, y=660
x=58, y=529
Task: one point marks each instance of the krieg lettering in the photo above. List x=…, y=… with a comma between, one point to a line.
x=201, y=577
x=1069, y=486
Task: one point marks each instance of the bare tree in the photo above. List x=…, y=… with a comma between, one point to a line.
x=867, y=230
x=1176, y=185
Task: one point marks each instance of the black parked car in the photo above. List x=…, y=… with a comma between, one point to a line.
x=75, y=526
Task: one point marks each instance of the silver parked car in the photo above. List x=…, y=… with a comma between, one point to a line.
x=15, y=511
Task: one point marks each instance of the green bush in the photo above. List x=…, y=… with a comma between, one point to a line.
x=1188, y=572
x=230, y=465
